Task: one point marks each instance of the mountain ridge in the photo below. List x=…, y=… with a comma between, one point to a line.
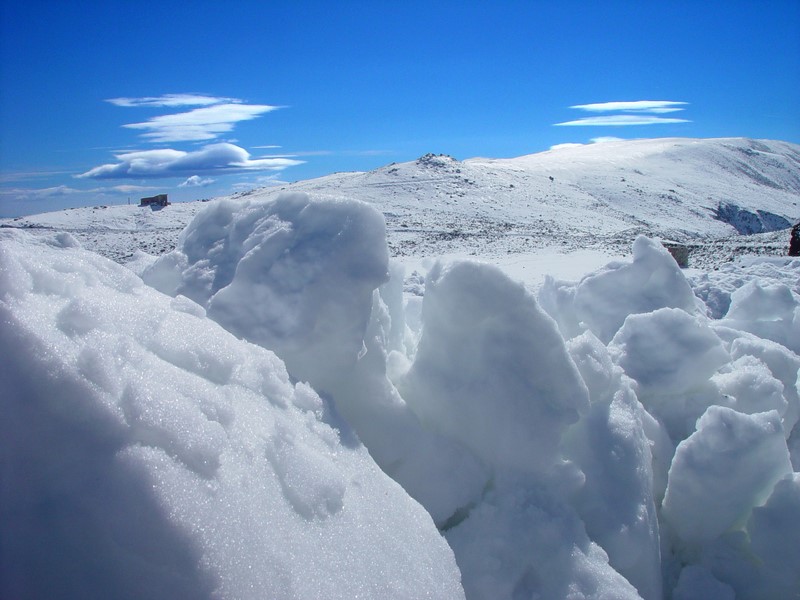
x=695, y=191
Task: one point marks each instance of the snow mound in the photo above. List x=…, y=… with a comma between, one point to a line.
x=615, y=437
x=300, y=276
x=601, y=301
x=149, y=453
x=491, y=370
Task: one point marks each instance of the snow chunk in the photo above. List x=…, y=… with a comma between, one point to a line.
x=149, y=453
x=309, y=279
x=294, y=275
x=668, y=351
x=703, y=499
x=601, y=301
x=755, y=301
x=751, y=388
x=774, y=530
x=768, y=311
x=610, y=446
x=520, y=543
x=491, y=370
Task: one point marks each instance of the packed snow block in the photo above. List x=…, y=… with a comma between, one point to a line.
x=782, y=363
x=309, y=279
x=748, y=386
x=438, y=472
x=768, y=311
x=602, y=300
x=672, y=356
x=294, y=275
x=668, y=351
x=724, y=469
x=491, y=370
x=610, y=446
x=521, y=542
x=774, y=530
x=148, y=453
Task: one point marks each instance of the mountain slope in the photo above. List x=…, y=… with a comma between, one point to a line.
x=597, y=195
x=677, y=187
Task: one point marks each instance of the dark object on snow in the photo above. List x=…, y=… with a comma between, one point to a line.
x=160, y=200
x=679, y=252
x=794, y=241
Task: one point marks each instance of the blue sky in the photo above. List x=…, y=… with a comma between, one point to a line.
x=101, y=101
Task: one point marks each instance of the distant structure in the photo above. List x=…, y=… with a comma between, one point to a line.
x=680, y=252
x=160, y=200
x=794, y=241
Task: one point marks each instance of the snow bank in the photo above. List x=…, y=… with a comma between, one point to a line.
x=611, y=447
x=149, y=453
x=703, y=500
x=614, y=437
x=301, y=277
x=293, y=275
x=491, y=370
x=725, y=392
x=601, y=301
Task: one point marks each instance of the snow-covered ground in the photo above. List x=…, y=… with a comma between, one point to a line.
x=413, y=383
x=597, y=197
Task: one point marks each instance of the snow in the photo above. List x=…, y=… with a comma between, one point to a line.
x=300, y=400
x=702, y=499
x=652, y=280
x=491, y=370
x=150, y=453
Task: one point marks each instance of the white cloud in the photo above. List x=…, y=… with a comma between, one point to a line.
x=648, y=106
x=565, y=145
x=197, y=181
x=199, y=124
x=64, y=190
x=172, y=100
x=606, y=138
x=126, y=189
x=213, y=158
x=50, y=192
x=620, y=121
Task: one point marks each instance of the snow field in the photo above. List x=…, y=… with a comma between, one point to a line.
x=613, y=437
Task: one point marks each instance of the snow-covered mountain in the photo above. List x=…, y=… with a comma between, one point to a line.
x=581, y=196
x=277, y=408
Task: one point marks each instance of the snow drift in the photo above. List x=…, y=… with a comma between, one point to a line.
x=149, y=453
x=633, y=434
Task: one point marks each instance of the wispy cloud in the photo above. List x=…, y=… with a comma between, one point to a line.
x=64, y=190
x=259, y=182
x=219, y=159
x=197, y=181
x=620, y=121
x=172, y=100
x=649, y=106
x=606, y=138
x=127, y=189
x=566, y=145
x=597, y=140
x=636, y=112
x=49, y=192
x=26, y=175
x=215, y=116
x=199, y=124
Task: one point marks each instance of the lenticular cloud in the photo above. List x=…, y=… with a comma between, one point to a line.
x=214, y=158
x=270, y=417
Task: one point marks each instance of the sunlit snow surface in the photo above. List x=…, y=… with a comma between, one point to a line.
x=624, y=434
